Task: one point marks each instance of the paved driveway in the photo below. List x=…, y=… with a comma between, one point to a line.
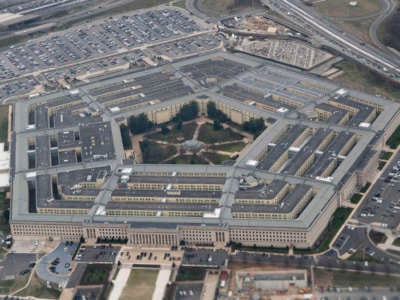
x=55, y=267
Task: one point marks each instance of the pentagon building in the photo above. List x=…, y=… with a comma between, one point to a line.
x=70, y=177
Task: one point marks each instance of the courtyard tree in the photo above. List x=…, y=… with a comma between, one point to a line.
x=214, y=113
x=188, y=111
x=126, y=140
x=254, y=126
x=164, y=129
x=217, y=125
x=139, y=124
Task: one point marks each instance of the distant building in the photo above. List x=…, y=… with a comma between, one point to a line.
x=277, y=280
x=4, y=168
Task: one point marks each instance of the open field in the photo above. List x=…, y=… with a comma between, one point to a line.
x=388, y=32
x=38, y=289
x=8, y=286
x=358, y=28
x=341, y=8
x=180, y=3
x=342, y=13
x=213, y=7
x=361, y=78
x=353, y=279
x=140, y=285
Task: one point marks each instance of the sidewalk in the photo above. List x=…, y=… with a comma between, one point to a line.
x=119, y=283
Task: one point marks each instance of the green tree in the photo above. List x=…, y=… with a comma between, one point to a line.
x=254, y=126
x=217, y=125
x=126, y=140
x=189, y=111
x=139, y=124
x=164, y=129
x=216, y=114
x=211, y=110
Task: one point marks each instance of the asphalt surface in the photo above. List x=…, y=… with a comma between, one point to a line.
x=98, y=254
x=389, y=7
x=381, y=205
x=59, y=273
x=386, y=64
x=15, y=263
x=328, y=260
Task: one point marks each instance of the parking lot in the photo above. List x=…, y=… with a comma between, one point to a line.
x=204, y=257
x=56, y=266
x=190, y=291
x=98, y=254
x=150, y=256
x=353, y=240
x=16, y=264
x=382, y=204
x=95, y=39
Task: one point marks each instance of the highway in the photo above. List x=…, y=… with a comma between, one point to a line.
x=389, y=7
x=349, y=45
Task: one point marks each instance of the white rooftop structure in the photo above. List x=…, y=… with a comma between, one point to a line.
x=4, y=167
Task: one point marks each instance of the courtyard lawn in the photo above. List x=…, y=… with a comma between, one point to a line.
x=231, y=147
x=216, y=158
x=175, y=135
x=154, y=153
x=208, y=135
x=188, y=159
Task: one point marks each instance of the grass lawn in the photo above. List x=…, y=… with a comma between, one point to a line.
x=361, y=256
x=208, y=135
x=154, y=153
x=231, y=147
x=365, y=187
x=355, y=198
x=4, y=203
x=126, y=7
x=396, y=242
x=3, y=123
x=38, y=289
x=381, y=164
x=8, y=286
x=385, y=155
x=175, y=135
x=214, y=7
x=180, y=3
x=216, y=158
x=361, y=78
x=188, y=159
x=377, y=237
x=388, y=32
x=189, y=274
x=96, y=274
x=394, y=140
x=355, y=279
x=341, y=8
x=140, y=285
